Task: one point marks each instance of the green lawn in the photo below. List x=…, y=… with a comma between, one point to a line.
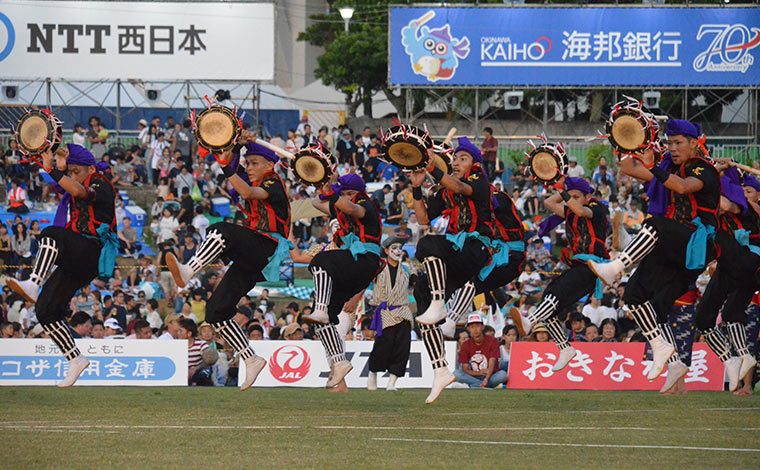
x=145, y=428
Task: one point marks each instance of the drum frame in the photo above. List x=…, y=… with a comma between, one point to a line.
x=236, y=126
x=326, y=159
x=635, y=110
x=409, y=135
x=54, y=136
x=560, y=159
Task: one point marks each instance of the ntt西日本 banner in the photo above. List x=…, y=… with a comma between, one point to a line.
x=504, y=46
x=139, y=40
x=604, y=366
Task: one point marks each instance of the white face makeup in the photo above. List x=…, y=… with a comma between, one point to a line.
x=395, y=252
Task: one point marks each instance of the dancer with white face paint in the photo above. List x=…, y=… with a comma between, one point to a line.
x=393, y=318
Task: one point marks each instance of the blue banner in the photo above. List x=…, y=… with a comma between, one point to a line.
x=503, y=46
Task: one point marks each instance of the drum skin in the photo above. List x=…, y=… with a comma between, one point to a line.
x=38, y=131
x=217, y=129
x=547, y=164
x=406, y=147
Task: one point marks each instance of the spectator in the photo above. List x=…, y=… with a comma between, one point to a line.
x=98, y=330
x=478, y=358
x=112, y=329
x=591, y=333
x=81, y=325
x=6, y=251
x=21, y=243
x=609, y=331
x=188, y=330
x=508, y=336
x=200, y=222
x=322, y=138
x=97, y=136
x=118, y=310
x=575, y=170
x=345, y=149
x=128, y=238
x=255, y=333
x=157, y=149
x=577, y=325
x=403, y=229
x=360, y=153
x=6, y=330
x=539, y=333
x=185, y=216
x=167, y=227
x=530, y=281
x=152, y=316
x=79, y=137
x=28, y=316
x=308, y=137
x=293, y=332
x=539, y=255
x=172, y=327
x=490, y=151
x=17, y=198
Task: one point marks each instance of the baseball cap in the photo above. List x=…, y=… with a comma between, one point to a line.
x=290, y=329
x=474, y=318
x=204, y=324
x=112, y=324
x=143, y=122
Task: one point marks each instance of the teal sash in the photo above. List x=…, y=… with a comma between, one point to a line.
x=500, y=250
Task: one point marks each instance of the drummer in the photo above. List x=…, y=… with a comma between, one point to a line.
x=586, y=224
x=266, y=229
x=453, y=259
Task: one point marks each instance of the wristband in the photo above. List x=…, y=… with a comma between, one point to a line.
x=417, y=193
x=323, y=196
x=333, y=197
x=236, y=149
x=661, y=175
x=56, y=174
x=565, y=196
x=437, y=174
x=228, y=172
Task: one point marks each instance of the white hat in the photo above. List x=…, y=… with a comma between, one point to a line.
x=112, y=324
x=474, y=318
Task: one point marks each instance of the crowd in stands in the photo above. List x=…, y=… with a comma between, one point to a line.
x=142, y=301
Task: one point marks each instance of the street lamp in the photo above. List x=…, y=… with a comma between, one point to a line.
x=346, y=13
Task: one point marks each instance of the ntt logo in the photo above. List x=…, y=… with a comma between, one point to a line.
x=10, y=34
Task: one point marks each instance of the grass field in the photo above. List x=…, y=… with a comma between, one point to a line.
x=145, y=428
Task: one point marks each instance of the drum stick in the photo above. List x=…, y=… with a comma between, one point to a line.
x=425, y=18
x=281, y=152
x=746, y=168
x=449, y=136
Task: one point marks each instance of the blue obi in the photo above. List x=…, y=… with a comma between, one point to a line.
x=110, y=241
x=353, y=244
x=696, y=250
x=271, y=271
x=742, y=236
x=500, y=257
x=460, y=238
x=598, y=292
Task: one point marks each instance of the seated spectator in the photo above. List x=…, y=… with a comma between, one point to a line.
x=21, y=243
x=508, y=336
x=171, y=323
x=152, y=316
x=188, y=330
x=98, y=330
x=206, y=333
x=403, y=229
x=478, y=358
x=539, y=255
x=530, y=281
x=141, y=330
x=577, y=325
x=539, y=333
x=255, y=332
x=17, y=198
x=112, y=329
x=81, y=325
x=591, y=333
x=293, y=332
x=128, y=239
x=609, y=331
x=168, y=226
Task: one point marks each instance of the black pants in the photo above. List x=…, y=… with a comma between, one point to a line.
x=77, y=265
x=391, y=351
x=571, y=286
x=123, y=247
x=249, y=252
x=502, y=275
x=662, y=273
x=349, y=276
x=461, y=266
x=732, y=285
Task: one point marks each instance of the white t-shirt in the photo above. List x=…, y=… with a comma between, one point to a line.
x=166, y=228
x=577, y=172
x=527, y=278
x=201, y=223
x=78, y=138
x=166, y=335
x=154, y=318
x=598, y=314
x=158, y=148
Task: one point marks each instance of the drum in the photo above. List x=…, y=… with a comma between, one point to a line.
x=313, y=166
x=630, y=127
x=217, y=129
x=38, y=131
x=444, y=155
x=406, y=147
x=548, y=163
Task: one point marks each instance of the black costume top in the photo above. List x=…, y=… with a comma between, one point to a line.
x=271, y=214
x=703, y=203
x=472, y=213
x=88, y=213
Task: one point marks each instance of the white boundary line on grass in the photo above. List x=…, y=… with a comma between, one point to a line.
x=502, y=428
x=562, y=444
x=551, y=412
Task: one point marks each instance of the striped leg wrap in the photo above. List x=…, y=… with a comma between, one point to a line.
x=61, y=335
x=233, y=334
x=737, y=334
x=333, y=343
x=46, y=256
x=436, y=272
x=462, y=302
x=718, y=343
x=667, y=332
x=210, y=249
x=646, y=318
x=322, y=289
x=545, y=309
x=557, y=333
x=433, y=339
x=640, y=246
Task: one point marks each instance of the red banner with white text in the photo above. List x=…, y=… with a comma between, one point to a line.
x=604, y=366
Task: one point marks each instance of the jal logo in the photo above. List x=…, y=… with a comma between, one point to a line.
x=729, y=49
x=433, y=53
x=289, y=364
x=7, y=37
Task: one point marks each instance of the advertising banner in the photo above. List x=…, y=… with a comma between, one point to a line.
x=143, y=40
x=303, y=364
x=503, y=46
x=604, y=366
x=112, y=362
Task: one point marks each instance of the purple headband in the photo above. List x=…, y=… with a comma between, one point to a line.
x=256, y=149
x=751, y=181
x=681, y=127
x=79, y=155
x=350, y=181
x=465, y=145
x=733, y=192
x=578, y=183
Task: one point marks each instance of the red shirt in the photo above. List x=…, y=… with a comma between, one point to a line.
x=477, y=355
x=491, y=142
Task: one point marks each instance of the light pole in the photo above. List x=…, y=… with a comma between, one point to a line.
x=346, y=13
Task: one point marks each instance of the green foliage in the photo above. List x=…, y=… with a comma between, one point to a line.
x=596, y=152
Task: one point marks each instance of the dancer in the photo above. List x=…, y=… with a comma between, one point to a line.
x=453, y=259
x=586, y=230
x=393, y=319
x=672, y=250
x=71, y=247
x=341, y=274
x=256, y=249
